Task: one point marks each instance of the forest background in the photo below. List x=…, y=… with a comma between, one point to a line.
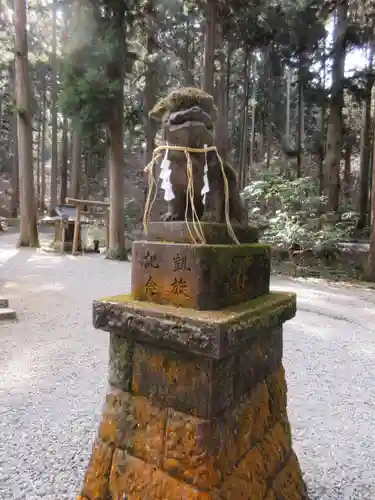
x=293, y=81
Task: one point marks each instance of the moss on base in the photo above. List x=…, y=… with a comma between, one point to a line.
x=274, y=302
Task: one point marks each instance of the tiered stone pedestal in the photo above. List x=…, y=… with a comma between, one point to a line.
x=196, y=407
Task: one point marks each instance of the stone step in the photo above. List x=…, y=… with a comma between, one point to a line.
x=7, y=314
x=4, y=303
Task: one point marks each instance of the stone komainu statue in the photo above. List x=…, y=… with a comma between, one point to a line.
x=188, y=117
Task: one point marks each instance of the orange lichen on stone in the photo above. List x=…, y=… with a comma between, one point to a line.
x=248, y=480
x=95, y=485
x=235, y=489
x=277, y=389
x=190, y=450
x=132, y=479
x=129, y=477
x=135, y=424
x=204, y=452
x=260, y=411
x=234, y=433
x=271, y=495
x=181, y=382
x=274, y=448
x=289, y=484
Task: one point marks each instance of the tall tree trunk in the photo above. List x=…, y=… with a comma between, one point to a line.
x=65, y=131
x=54, y=158
x=365, y=150
x=86, y=169
x=209, y=47
x=288, y=95
x=322, y=124
x=253, y=112
x=64, y=162
x=301, y=115
x=42, y=200
x=334, y=132
x=370, y=274
x=245, y=120
x=222, y=132
x=116, y=184
x=15, y=201
x=188, y=54
x=116, y=74
x=76, y=165
x=28, y=223
x=38, y=156
x=151, y=79
x=347, y=170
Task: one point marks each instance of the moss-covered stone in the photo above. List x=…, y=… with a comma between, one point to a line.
x=277, y=391
x=214, y=233
x=289, y=484
x=257, y=359
x=204, y=277
x=198, y=386
x=96, y=480
x=204, y=452
x=120, y=366
x=210, y=333
x=190, y=450
x=134, y=480
x=183, y=98
x=135, y=425
x=248, y=480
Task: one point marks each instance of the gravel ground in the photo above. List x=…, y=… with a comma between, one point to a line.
x=53, y=368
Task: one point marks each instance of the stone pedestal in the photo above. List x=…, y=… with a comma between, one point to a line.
x=196, y=407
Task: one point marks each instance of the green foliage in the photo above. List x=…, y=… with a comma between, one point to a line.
x=93, y=68
x=290, y=209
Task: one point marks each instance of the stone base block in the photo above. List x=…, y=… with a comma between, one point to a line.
x=204, y=277
x=145, y=450
x=197, y=406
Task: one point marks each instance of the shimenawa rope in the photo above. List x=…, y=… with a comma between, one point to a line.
x=189, y=191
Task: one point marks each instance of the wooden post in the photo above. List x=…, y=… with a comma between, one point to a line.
x=76, y=229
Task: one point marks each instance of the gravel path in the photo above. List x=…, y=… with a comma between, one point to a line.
x=53, y=367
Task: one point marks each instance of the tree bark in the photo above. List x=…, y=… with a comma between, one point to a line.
x=76, y=165
x=209, y=47
x=64, y=163
x=244, y=129
x=288, y=95
x=42, y=200
x=116, y=184
x=15, y=201
x=347, y=170
x=188, y=55
x=54, y=157
x=301, y=116
x=38, y=156
x=253, y=112
x=28, y=223
x=371, y=256
x=365, y=151
x=322, y=125
x=222, y=132
x=151, y=79
x=334, y=132
x=116, y=73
